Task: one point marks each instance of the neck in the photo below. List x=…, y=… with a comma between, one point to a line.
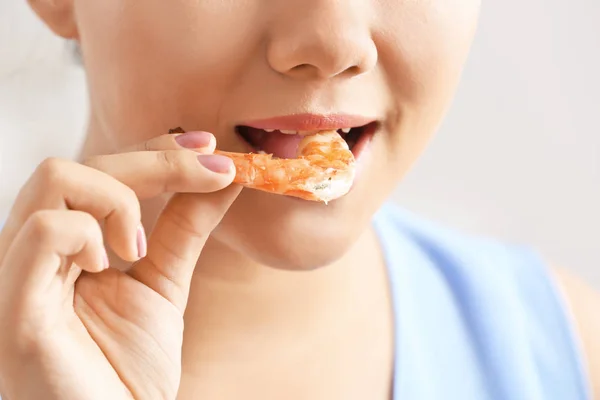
x=95, y=143
x=228, y=281
x=239, y=308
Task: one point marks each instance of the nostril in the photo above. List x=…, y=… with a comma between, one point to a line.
x=302, y=67
x=303, y=70
x=351, y=71
x=309, y=70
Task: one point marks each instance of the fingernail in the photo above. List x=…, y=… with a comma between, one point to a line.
x=216, y=163
x=105, y=261
x=194, y=140
x=142, y=245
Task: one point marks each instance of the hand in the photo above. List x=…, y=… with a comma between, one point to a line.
x=72, y=329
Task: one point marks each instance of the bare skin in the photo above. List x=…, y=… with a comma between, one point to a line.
x=266, y=286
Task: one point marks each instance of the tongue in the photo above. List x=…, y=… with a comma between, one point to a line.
x=276, y=143
x=281, y=145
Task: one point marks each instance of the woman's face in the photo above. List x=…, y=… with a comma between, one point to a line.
x=216, y=65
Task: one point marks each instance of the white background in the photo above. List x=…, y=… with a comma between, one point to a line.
x=517, y=158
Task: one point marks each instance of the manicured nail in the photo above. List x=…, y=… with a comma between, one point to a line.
x=216, y=163
x=142, y=244
x=194, y=140
x=105, y=261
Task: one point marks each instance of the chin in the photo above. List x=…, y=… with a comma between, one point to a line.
x=291, y=234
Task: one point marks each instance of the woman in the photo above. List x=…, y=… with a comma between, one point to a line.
x=280, y=297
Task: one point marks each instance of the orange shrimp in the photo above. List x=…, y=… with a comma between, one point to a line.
x=323, y=171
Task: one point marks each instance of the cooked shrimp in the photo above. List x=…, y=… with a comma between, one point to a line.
x=323, y=171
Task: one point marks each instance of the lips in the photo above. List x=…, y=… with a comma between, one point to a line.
x=281, y=136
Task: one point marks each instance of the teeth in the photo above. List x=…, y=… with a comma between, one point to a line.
x=302, y=133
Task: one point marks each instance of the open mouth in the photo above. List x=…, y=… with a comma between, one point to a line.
x=284, y=143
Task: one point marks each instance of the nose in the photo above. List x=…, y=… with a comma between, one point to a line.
x=321, y=40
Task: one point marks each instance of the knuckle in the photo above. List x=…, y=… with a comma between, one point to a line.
x=183, y=223
x=25, y=337
x=44, y=226
x=88, y=225
x=130, y=197
x=130, y=204
x=41, y=226
x=22, y=343
x=52, y=171
x=176, y=174
x=170, y=160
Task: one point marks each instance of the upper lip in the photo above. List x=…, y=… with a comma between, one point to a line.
x=310, y=122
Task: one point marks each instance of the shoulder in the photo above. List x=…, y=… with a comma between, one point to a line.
x=507, y=296
x=453, y=250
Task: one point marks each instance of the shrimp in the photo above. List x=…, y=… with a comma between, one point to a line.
x=324, y=169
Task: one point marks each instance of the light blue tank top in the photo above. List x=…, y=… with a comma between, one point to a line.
x=475, y=319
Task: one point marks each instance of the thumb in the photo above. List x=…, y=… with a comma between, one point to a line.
x=177, y=241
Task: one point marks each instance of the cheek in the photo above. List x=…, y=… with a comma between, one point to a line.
x=423, y=46
x=163, y=64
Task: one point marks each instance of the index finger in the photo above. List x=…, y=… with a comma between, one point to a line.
x=151, y=173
